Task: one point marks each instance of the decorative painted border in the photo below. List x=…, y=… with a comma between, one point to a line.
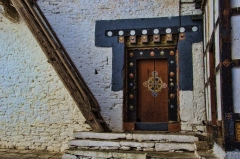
x=184, y=45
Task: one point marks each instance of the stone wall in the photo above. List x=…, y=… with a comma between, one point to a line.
x=36, y=111
x=74, y=23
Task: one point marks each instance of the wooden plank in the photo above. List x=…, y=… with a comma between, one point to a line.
x=212, y=87
x=61, y=62
x=161, y=100
x=174, y=127
x=145, y=112
x=128, y=126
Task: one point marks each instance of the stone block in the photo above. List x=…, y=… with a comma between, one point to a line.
x=174, y=146
x=94, y=135
x=167, y=137
x=87, y=143
x=129, y=136
x=125, y=148
x=136, y=144
x=148, y=149
x=69, y=156
x=129, y=155
x=109, y=148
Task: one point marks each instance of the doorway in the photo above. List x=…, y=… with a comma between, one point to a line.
x=152, y=93
x=150, y=88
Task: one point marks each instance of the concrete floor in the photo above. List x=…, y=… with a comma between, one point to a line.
x=28, y=154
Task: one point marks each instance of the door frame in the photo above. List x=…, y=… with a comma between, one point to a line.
x=173, y=123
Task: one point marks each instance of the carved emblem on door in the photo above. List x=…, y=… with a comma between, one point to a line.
x=155, y=84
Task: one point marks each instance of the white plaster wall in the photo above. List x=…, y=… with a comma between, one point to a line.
x=192, y=103
x=198, y=83
x=74, y=23
x=218, y=96
x=235, y=3
x=36, y=111
x=235, y=23
x=236, y=91
x=189, y=9
x=186, y=110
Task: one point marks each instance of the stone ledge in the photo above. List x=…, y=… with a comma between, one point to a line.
x=91, y=143
x=138, y=136
x=126, y=145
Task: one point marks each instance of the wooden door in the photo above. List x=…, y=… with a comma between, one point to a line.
x=152, y=90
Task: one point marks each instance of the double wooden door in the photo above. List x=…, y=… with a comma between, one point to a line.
x=152, y=90
x=150, y=98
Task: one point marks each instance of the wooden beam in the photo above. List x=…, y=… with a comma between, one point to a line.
x=236, y=63
x=61, y=62
x=226, y=74
x=9, y=11
x=235, y=11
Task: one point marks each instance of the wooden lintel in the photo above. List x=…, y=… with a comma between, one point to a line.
x=9, y=11
x=61, y=62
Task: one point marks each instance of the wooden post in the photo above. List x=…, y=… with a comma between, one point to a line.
x=226, y=74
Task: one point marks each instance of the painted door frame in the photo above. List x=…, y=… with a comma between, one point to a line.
x=112, y=33
x=132, y=55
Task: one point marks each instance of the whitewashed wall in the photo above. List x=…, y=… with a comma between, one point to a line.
x=235, y=22
x=36, y=111
x=74, y=23
x=192, y=103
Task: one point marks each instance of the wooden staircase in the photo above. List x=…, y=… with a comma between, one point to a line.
x=142, y=145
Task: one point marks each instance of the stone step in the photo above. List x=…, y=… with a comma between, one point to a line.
x=131, y=145
x=103, y=154
x=164, y=137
